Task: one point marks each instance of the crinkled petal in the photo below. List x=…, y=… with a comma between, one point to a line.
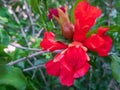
x=100, y=44
x=102, y=30
x=58, y=46
x=52, y=68
x=48, y=40
x=105, y=48
x=75, y=56
x=49, y=35
x=66, y=75
x=85, y=16
x=82, y=71
x=94, y=41
x=80, y=32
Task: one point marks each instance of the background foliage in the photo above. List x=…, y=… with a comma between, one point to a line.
x=22, y=23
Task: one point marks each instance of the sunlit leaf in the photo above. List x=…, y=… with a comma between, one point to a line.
x=4, y=37
x=14, y=77
x=115, y=66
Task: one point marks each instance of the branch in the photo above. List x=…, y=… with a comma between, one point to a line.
x=30, y=56
x=25, y=48
x=25, y=58
x=30, y=17
x=32, y=68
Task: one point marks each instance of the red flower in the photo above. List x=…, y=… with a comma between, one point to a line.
x=69, y=64
x=85, y=16
x=99, y=42
x=54, y=12
x=72, y=62
x=48, y=42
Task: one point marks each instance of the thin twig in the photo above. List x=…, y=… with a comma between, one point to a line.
x=34, y=74
x=21, y=28
x=25, y=48
x=30, y=56
x=39, y=33
x=42, y=74
x=34, y=67
x=30, y=17
x=43, y=77
x=25, y=58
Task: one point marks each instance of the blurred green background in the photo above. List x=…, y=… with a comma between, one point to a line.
x=22, y=23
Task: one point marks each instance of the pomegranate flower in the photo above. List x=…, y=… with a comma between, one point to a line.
x=69, y=64
x=72, y=61
x=99, y=42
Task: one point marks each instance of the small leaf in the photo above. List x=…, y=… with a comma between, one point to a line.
x=4, y=57
x=13, y=76
x=115, y=28
x=35, y=5
x=3, y=19
x=4, y=37
x=91, y=32
x=115, y=66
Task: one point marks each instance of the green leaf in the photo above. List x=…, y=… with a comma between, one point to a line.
x=4, y=37
x=35, y=5
x=3, y=19
x=115, y=66
x=4, y=57
x=115, y=28
x=91, y=32
x=14, y=77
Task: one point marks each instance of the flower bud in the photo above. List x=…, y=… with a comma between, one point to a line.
x=66, y=26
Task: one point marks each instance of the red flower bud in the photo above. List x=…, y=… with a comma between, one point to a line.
x=66, y=26
x=67, y=30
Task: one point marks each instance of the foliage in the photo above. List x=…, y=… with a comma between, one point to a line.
x=22, y=23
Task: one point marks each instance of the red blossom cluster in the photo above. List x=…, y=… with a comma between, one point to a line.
x=72, y=61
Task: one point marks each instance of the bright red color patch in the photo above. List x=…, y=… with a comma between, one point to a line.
x=48, y=42
x=52, y=12
x=69, y=64
x=72, y=61
x=99, y=42
x=85, y=16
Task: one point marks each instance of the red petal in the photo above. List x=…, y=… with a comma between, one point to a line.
x=58, y=57
x=66, y=75
x=54, y=12
x=100, y=44
x=86, y=14
x=80, y=32
x=75, y=56
x=52, y=68
x=48, y=40
x=49, y=43
x=94, y=41
x=49, y=35
x=105, y=48
x=81, y=71
x=58, y=46
x=102, y=30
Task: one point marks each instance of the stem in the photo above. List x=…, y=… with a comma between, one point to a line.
x=25, y=58
x=34, y=67
x=25, y=48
